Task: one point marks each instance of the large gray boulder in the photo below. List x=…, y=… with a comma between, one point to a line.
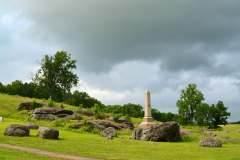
x=32, y=125
x=108, y=124
x=210, y=142
x=109, y=132
x=50, y=114
x=16, y=130
x=95, y=125
x=125, y=124
x=48, y=132
x=27, y=105
x=87, y=113
x=166, y=132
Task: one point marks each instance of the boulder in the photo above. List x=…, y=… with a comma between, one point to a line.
x=110, y=131
x=46, y=117
x=48, y=132
x=210, y=142
x=137, y=133
x=54, y=111
x=224, y=138
x=16, y=130
x=225, y=131
x=109, y=137
x=32, y=125
x=27, y=105
x=72, y=117
x=125, y=124
x=108, y=124
x=165, y=132
x=95, y=125
x=183, y=132
x=87, y=113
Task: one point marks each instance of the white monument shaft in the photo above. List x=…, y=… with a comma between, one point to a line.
x=147, y=120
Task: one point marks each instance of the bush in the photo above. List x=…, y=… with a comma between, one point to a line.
x=116, y=117
x=62, y=106
x=127, y=117
x=34, y=105
x=50, y=103
x=99, y=116
x=80, y=106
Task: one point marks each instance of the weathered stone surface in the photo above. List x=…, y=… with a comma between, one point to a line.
x=109, y=137
x=46, y=117
x=54, y=111
x=87, y=113
x=48, y=132
x=166, y=132
x=106, y=116
x=72, y=117
x=95, y=125
x=183, y=132
x=108, y=124
x=137, y=133
x=32, y=125
x=225, y=131
x=210, y=142
x=17, y=130
x=110, y=131
x=125, y=124
x=27, y=105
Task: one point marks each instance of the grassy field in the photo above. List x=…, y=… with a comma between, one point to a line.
x=93, y=146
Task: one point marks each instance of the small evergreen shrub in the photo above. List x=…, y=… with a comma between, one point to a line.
x=62, y=106
x=34, y=105
x=50, y=103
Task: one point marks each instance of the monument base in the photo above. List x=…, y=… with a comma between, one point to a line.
x=145, y=125
x=147, y=119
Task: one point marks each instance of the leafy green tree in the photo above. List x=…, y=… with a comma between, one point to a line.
x=202, y=115
x=189, y=100
x=29, y=89
x=156, y=114
x=2, y=88
x=57, y=69
x=219, y=114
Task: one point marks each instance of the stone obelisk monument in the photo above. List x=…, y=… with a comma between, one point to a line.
x=147, y=120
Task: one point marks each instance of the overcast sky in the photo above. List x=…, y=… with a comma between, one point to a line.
x=124, y=47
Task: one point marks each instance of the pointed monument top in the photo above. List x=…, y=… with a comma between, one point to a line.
x=147, y=90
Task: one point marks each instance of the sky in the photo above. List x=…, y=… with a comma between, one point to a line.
x=125, y=47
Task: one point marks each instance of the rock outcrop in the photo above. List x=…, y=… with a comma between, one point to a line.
x=16, y=130
x=210, y=142
x=95, y=125
x=27, y=105
x=87, y=113
x=50, y=114
x=108, y=124
x=32, y=125
x=109, y=132
x=125, y=124
x=48, y=132
x=166, y=132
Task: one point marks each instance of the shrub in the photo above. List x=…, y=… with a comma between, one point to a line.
x=80, y=106
x=34, y=105
x=58, y=123
x=127, y=117
x=62, y=106
x=99, y=116
x=71, y=125
x=116, y=117
x=50, y=103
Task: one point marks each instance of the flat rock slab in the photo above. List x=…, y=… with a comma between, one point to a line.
x=52, y=111
x=45, y=153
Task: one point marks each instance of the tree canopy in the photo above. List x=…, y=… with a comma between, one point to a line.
x=56, y=71
x=189, y=99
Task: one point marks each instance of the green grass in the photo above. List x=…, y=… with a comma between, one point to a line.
x=93, y=146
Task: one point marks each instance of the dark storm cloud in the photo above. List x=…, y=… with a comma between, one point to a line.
x=101, y=34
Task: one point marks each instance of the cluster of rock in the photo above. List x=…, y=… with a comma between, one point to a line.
x=166, y=132
x=27, y=105
x=23, y=130
x=52, y=114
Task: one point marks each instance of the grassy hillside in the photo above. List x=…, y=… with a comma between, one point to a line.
x=93, y=146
